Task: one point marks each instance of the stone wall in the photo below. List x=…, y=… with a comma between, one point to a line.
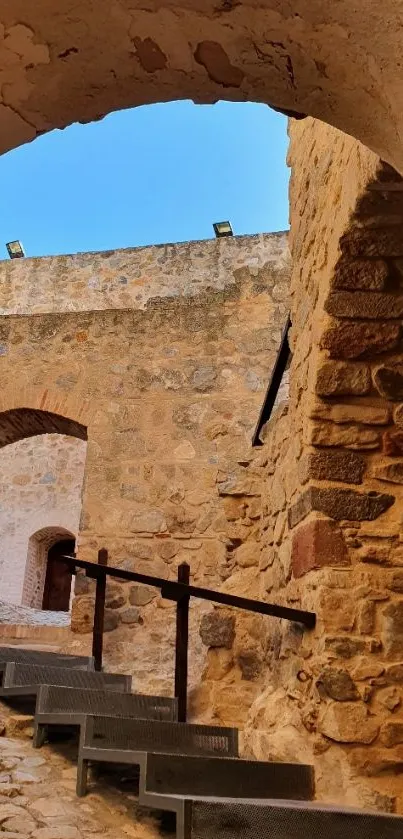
x=40, y=490
x=164, y=355
x=331, y=535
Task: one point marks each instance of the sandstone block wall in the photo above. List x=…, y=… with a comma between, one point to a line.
x=40, y=488
x=332, y=527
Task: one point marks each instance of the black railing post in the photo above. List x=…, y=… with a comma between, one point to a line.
x=182, y=644
x=98, y=630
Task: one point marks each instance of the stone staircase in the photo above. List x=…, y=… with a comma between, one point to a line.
x=193, y=771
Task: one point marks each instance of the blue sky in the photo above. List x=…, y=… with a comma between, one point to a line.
x=161, y=173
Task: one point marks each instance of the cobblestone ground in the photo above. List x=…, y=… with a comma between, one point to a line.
x=38, y=801
x=9, y=613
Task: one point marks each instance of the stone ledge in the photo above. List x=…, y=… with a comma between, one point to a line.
x=339, y=504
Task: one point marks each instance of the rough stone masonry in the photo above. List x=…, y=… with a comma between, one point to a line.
x=160, y=357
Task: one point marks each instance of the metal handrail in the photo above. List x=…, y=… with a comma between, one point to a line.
x=179, y=591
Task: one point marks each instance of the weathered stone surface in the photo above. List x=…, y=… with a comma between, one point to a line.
x=247, y=555
x=338, y=378
x=338, y=685
x=368, y=274
x=340, y=504
x=111, y=620
x=358, y=412
x=149, y=521
x=398, y=415
x=393, y=442
x=388, y=381
x=81, y=584
x=384, y=241
x=392, y=733
x=351, y=723
x=366, y=614
x=82, y=614
x=394, y=673
x=365, y=304
x=217, y=629
x=359, y=340
x=367, y=668
x=331, y=466
x=344, y=646
x=115, y=601
x=392, y=472
x=336, y=610
x=141, y=595
x=130, y=615
x=348, y=436
x=250, y=662
x=395, y=582
x=393, y=629
x=377, y=554
x=316, y=544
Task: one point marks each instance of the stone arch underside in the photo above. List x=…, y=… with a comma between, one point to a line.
x=335, y=61
x=19, y=423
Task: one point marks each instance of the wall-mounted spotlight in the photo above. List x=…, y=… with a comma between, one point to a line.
x=223, y=228
x=15, y=249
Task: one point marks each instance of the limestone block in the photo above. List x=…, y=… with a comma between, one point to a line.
x=316, y=544
x=348, y=723
x=217, y=629
x=247, y=554
x=219, y=662
x=343, y=413
x=361, y=339
x=338, y=378
x=167, y=550
x=337, y=610
x=346, y=436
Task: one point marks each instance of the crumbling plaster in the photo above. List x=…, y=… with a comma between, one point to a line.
x=340, y=62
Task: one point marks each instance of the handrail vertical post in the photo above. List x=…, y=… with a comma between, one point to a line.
x=98, y=629
x=182, y=644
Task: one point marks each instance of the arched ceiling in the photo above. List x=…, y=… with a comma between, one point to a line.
x=68, y=61
x=20, y=423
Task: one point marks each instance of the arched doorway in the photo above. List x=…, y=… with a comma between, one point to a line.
x=47, y=584
x=57, y=588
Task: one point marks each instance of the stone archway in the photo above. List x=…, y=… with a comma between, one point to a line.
x=19, y=423
x=42, y=466
x=37, y=567
x=333, y=61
